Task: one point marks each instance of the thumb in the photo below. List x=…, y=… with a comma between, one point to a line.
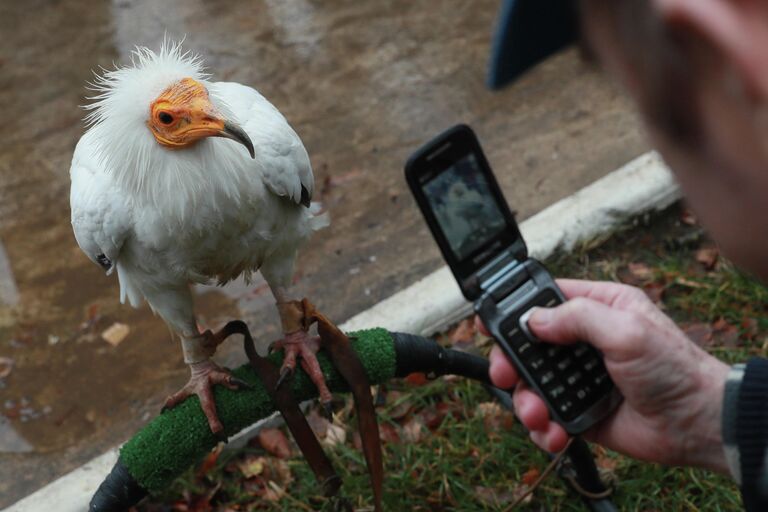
x=612, y=331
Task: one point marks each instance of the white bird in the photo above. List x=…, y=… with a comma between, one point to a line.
x=164, y=192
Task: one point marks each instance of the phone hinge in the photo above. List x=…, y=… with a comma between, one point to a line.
x=501, y=276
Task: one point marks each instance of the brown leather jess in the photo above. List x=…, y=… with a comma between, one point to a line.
x=345, y=360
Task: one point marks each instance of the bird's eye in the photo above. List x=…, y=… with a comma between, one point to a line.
x=165, y=117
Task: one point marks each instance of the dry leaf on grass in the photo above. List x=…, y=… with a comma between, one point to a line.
x=699, y=333
x=413, y=429
x=252, y=465
x=335, y=435
x=494, y=416
x=493, y=497
x=400, y=404
x=209, y=462
x=388, y=433
x=530, y=476
x=275, y=442
x=707, y=257
x=464, y=333
x=115, y=333
x=654, y=291
x=725, y=334
x=318, y=423
x=750, y=328
x=417, y=379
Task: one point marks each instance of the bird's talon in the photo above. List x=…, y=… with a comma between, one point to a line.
x=240, y=383
x=285, y=375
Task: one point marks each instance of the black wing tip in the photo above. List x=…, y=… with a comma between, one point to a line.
x=306, y=198
x=103, y=261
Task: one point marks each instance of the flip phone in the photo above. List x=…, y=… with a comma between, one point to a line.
x=477, y=234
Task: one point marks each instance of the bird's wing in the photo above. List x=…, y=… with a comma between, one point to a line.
x=284, y=162
x=100, y=218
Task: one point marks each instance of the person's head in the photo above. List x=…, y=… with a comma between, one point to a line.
x=698, y=70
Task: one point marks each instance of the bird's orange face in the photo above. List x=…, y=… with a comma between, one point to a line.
x=183, y=114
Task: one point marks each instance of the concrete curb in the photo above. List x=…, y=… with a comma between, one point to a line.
x=435, y=302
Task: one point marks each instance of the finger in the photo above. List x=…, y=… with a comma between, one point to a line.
x=530, y=408
x=502, y=373
x=480, y=326
x=601, y=291
x=208, y=405
x=587, y=320
x=552, y=439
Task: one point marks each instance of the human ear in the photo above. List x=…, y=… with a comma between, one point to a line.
x=737, y=30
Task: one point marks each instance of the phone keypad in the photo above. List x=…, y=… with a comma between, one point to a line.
x=572, y=377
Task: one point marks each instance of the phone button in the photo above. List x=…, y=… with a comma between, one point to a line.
x=573, y=378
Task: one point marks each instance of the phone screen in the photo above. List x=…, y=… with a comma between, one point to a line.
x=464, y=206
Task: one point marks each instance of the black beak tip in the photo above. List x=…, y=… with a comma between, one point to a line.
x=236, y=133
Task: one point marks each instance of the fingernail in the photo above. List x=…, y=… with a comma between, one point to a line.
x=540, y=316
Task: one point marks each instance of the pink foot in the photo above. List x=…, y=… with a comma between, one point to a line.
x=300, y=345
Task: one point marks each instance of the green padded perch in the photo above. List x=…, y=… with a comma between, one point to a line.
x=180, y=437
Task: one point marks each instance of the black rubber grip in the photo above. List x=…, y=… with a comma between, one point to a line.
x=118, y=492
x=420, y=354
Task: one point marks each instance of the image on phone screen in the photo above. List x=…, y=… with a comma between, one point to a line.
x=464, y=207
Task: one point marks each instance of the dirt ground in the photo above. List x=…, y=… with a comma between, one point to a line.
x=363, y=83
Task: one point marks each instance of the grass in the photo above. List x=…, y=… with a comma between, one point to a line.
x=447, y=446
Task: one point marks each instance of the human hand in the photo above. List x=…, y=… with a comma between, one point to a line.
x=673, y=390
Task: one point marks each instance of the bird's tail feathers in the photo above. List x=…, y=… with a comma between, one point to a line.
x=128, y=290
x=320, y=217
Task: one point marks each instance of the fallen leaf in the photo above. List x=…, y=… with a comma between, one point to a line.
x=707, y=257
x=281, y=472
x=530, y=476
x=725, y=334
x=318, y=423
x=654, y=291
x=115, y=333
x=494, y=416
x=464, y=333
x=413, y=429
x=335, y=435
x=209, y=462
x=417, y=379
x=493, y=497
x=251, y=465
x=689, y=283
x=273, y=492
x=387, y=433
x=749, y=328
x=275, y=442
x=6, y=366
x=400, y=404
x=699, y=333
x=433, y=416
x=640, y=271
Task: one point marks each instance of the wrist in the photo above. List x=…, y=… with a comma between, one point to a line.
x=703, y=437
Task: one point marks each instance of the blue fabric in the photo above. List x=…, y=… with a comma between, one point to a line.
x=529, y=31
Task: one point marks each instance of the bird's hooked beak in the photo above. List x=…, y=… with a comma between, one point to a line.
x=183, y=114
x=234, y=132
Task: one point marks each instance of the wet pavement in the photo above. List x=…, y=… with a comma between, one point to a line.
x=363, y=83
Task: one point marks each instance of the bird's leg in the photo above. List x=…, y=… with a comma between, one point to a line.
x=299, y=345
x=204, y=373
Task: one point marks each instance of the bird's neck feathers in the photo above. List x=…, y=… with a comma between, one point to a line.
x=173, y=181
